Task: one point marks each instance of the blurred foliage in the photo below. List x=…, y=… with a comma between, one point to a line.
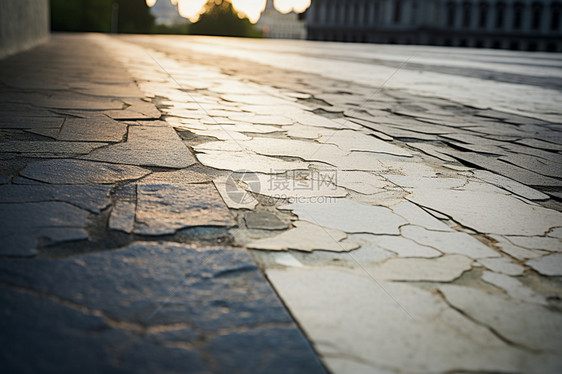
x=95, y=15
x=171, y=29
x=220, y=19
x=83, y=15
x=134, y=16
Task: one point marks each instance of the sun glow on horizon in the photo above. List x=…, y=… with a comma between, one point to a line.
x=249, y=8
x=252, y=9
x=286, y=6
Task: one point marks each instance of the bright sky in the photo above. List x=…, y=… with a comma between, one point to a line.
x=252, y=9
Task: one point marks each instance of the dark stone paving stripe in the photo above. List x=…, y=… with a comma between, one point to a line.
x=149, y=307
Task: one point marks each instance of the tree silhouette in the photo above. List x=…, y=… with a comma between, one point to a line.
x=95, y=15
x=220, y=19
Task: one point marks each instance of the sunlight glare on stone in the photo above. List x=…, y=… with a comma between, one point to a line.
x=150, y=3
x=285, y=6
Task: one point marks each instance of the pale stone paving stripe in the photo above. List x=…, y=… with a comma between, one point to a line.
x=459, y=226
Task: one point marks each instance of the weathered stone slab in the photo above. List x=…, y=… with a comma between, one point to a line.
x=264, y=221
x=537, y=242
x=104, y=89
x=548, y=168
x=358, y=319
x=24, y=122
x=491, y=213
x=164, y=209
x=22, y=226
x=550, y=265
x=96, y=129
x=525, y=176
x=91, y=198
x=122, y=216
x=147, y=146
x=137, y=110
x=431, y=150
x=348, y=216
x=306, y=237
x=360, y=181
x=234, y=194
x=513, y=288
x=401, y=246
x=237, y=161
x=349, y=140
x=305, y=184
x=510, y=185
x=502, y=265
x=527, y=324
x=417, y=216
x=443, y=269
x=151, y=303
x=449, y=242
x=81, y=172
x=73, y=101
x=183, y=176
x=48, y=327
x=49, y=149
x=513, y=250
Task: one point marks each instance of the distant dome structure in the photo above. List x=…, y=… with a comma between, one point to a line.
x=276, y=25
x=166, y=13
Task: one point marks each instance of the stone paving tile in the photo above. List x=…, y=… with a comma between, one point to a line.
x=550, y=265
x=91, y=198
x=472, y=209
x=513, y=287
x=510, y=185
x=400, y=245
x=536, y=242
x=502, y=265
x=449, y=242
x=230, y=311
x=25, y=225
x=526, y=324
x=525, y=176
x=164, y=209
x=136, y=110
x=306, y=237
x=443, y=269
x=234, y=195
x=67, y=101
x=81, y=172
x=92, y=130
x=144, y=148
x=182, y=176
x=49, y=149
x=239, y=161
x=362, y=182
x=16, y=121
x=349, y=216
x=379, y=320
x=264, y=221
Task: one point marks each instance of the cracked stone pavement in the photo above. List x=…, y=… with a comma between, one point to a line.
x=209, y=205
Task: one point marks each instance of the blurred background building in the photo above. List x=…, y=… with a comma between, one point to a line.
x=507, y=24
x=274, y=24
x=166, y=13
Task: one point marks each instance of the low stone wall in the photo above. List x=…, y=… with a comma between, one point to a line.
x=23, y=25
